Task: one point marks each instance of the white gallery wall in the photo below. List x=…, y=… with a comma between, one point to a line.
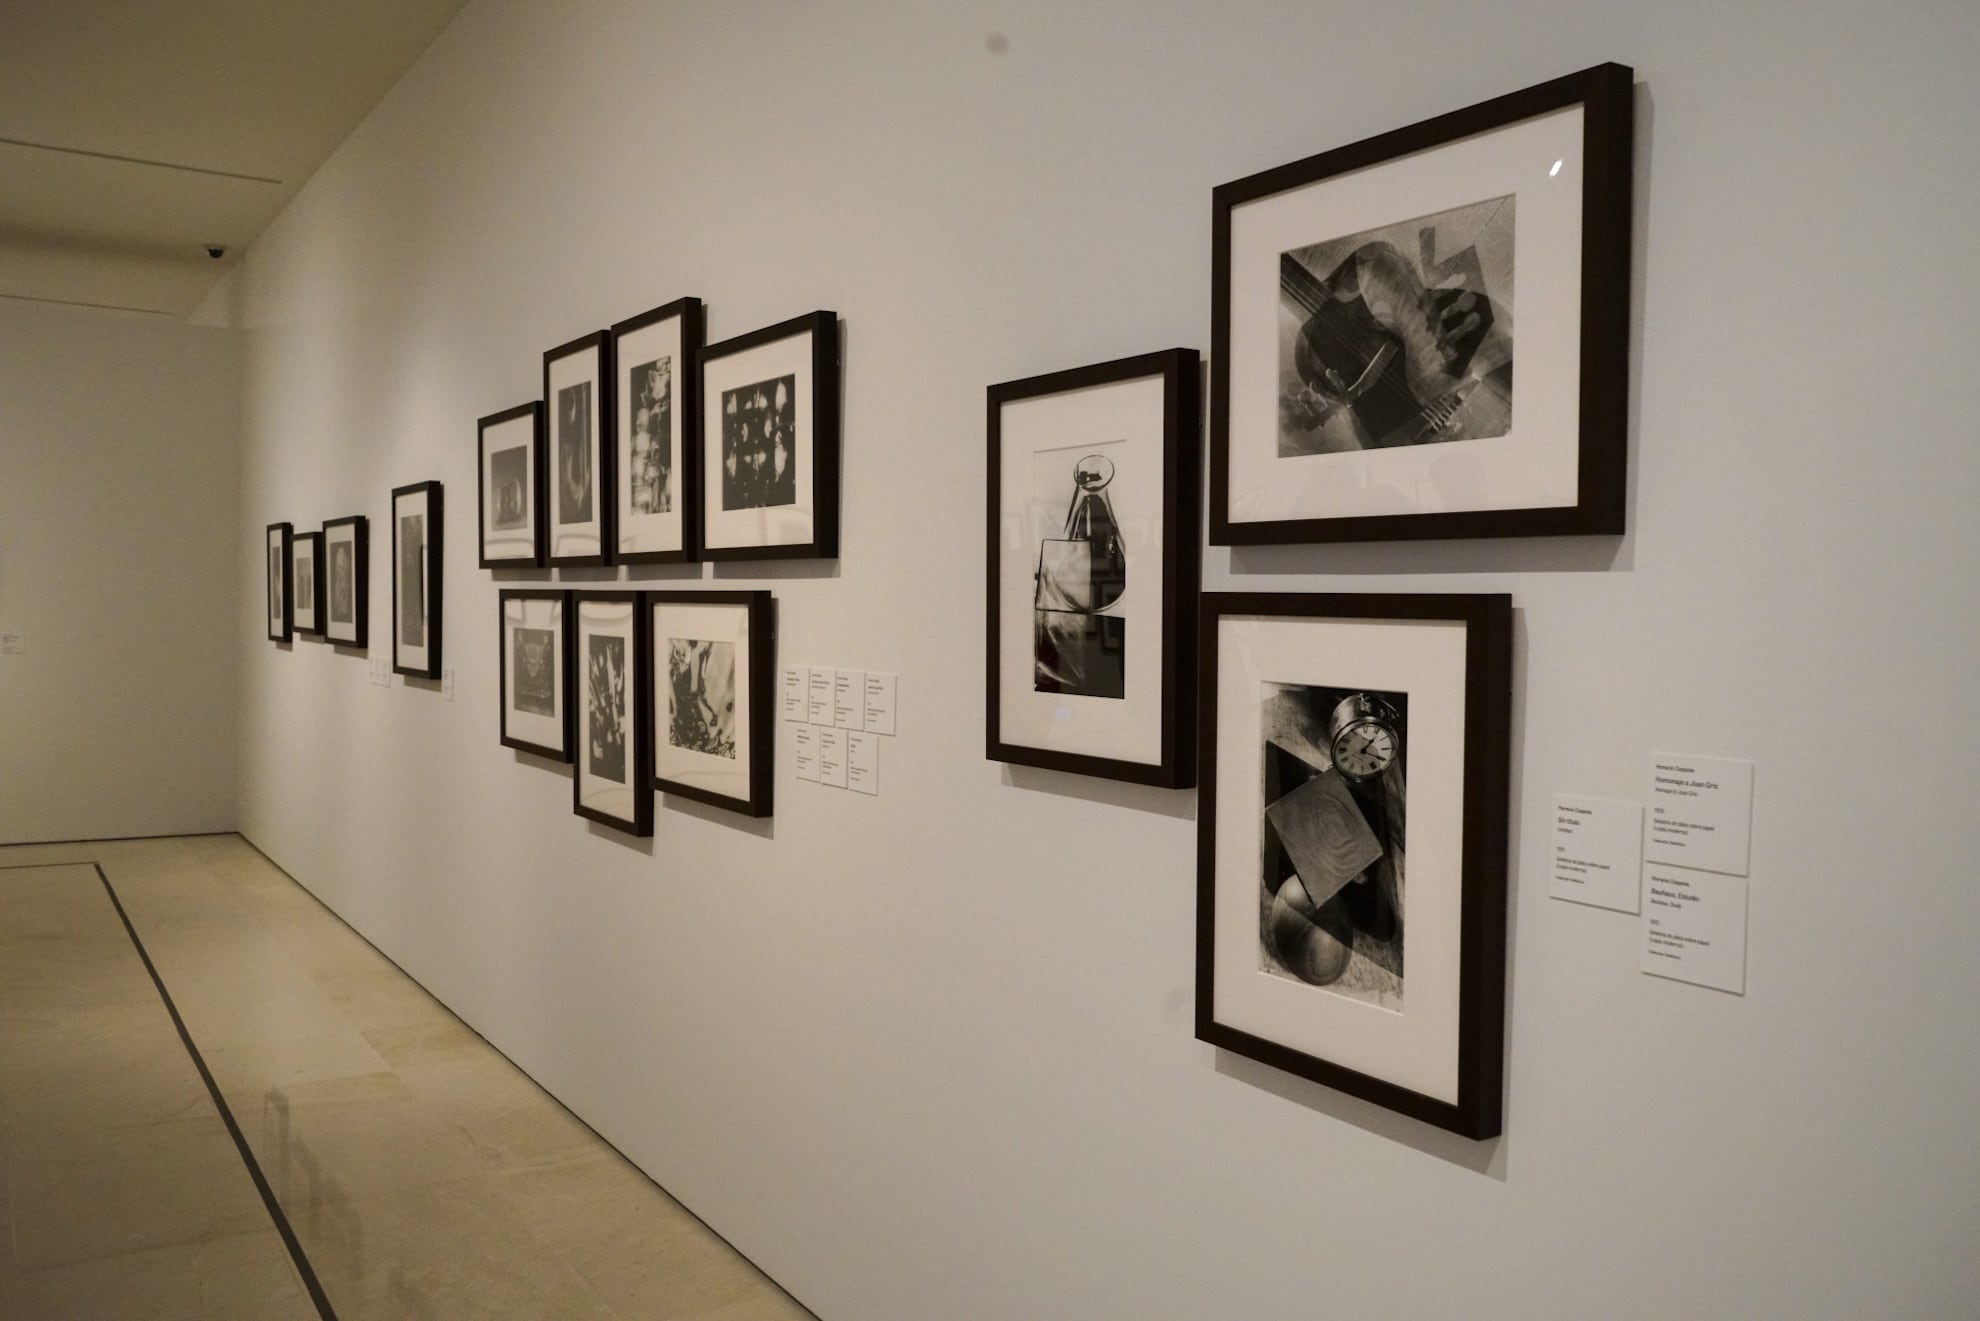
x=929, y=1054
x=119, y=490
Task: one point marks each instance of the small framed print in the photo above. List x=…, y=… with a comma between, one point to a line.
x=511, y=489
x=416, y=543
x=306, y=579
x=535, y=665
x=714, y=726
x=347, y=580
x=577, y=409
x=657, y=394
x=614, y=699
x=1093, y=564
x=1364, y=320
x=1345, y=736
x=770, y=442
x=281, y=621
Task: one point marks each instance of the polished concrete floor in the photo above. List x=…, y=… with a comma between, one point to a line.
x=420, y=1173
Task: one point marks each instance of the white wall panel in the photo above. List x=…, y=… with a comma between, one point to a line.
x=119, y=488
x=929, y=1055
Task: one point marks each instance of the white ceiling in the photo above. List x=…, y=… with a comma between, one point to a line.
x=136, y=133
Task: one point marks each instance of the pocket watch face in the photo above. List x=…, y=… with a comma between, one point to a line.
x=1363, y=743
x=1364, y=749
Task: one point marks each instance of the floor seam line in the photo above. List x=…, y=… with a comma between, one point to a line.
x=273, y=1204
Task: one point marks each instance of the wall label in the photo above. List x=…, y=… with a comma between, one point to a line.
x=1701, y=812
x=1598, y=852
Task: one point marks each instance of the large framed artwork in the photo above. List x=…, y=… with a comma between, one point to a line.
x=770, y=442
x=416, y=543
x=535, y=665
x=577, y=410
x=1351, y=863
x=657, y=394
x=1093, y=564
x=306, y=582
x=510, y=455
x=714, y=722
x=347, y=580
x=613, y=701
x=1367, y=302
x=281, y=622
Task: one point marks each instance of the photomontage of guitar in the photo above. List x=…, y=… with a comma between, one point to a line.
x=1393, y=361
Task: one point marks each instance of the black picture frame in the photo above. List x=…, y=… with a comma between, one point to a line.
x=577, y=515
x=281, y=613
x=633, y=757
x=554, y=612
x=499, y=498
x=306, y=599
x=724, y=622
x=416, y=582
x=1033, y=694
x=669, y=535
x=1319, y=434
x=353, y=530
x=761, y=516
x=1298, y=871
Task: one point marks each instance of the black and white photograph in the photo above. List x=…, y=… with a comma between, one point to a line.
x=650, y=471
x=511, y=456
x=605, y=709
x=1362, y=328
x=576, y=481
x=343, y=590
x=535, y=671
x=1352, y=821
x=1093, y=561
x=613, y=704
x=658, y=421
x=416, y=561
x=1400, y=335
x=508, y=489
x=306, y=582
x=770, y=442
x=714, y=663
x=759, y=444
x=577, y=413
x=701, y=696
x=281, y=622
x=412, y=579
x=346, y=553
x=1081, y=611
x=1330, y=898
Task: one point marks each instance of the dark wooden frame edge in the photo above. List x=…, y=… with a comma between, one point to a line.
x=687, y=476
x=761, y=683
x=1606, y=93
x=1478, y=1112
x=1181, y=370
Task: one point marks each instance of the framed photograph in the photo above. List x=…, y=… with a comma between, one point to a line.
x=306, y=582
x=1351, y=860
x=1364, y=321
x=347, y=560
x=416, y=543
x=770, y=442
x=714, y=715
x=577, y=409
x=657, y=394
x=535, y=665
x=613, y=700
x=511, y=488
x=1093, y=565
x=281, y=622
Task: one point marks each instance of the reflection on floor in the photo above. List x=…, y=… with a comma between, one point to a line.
x=423, y=1174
